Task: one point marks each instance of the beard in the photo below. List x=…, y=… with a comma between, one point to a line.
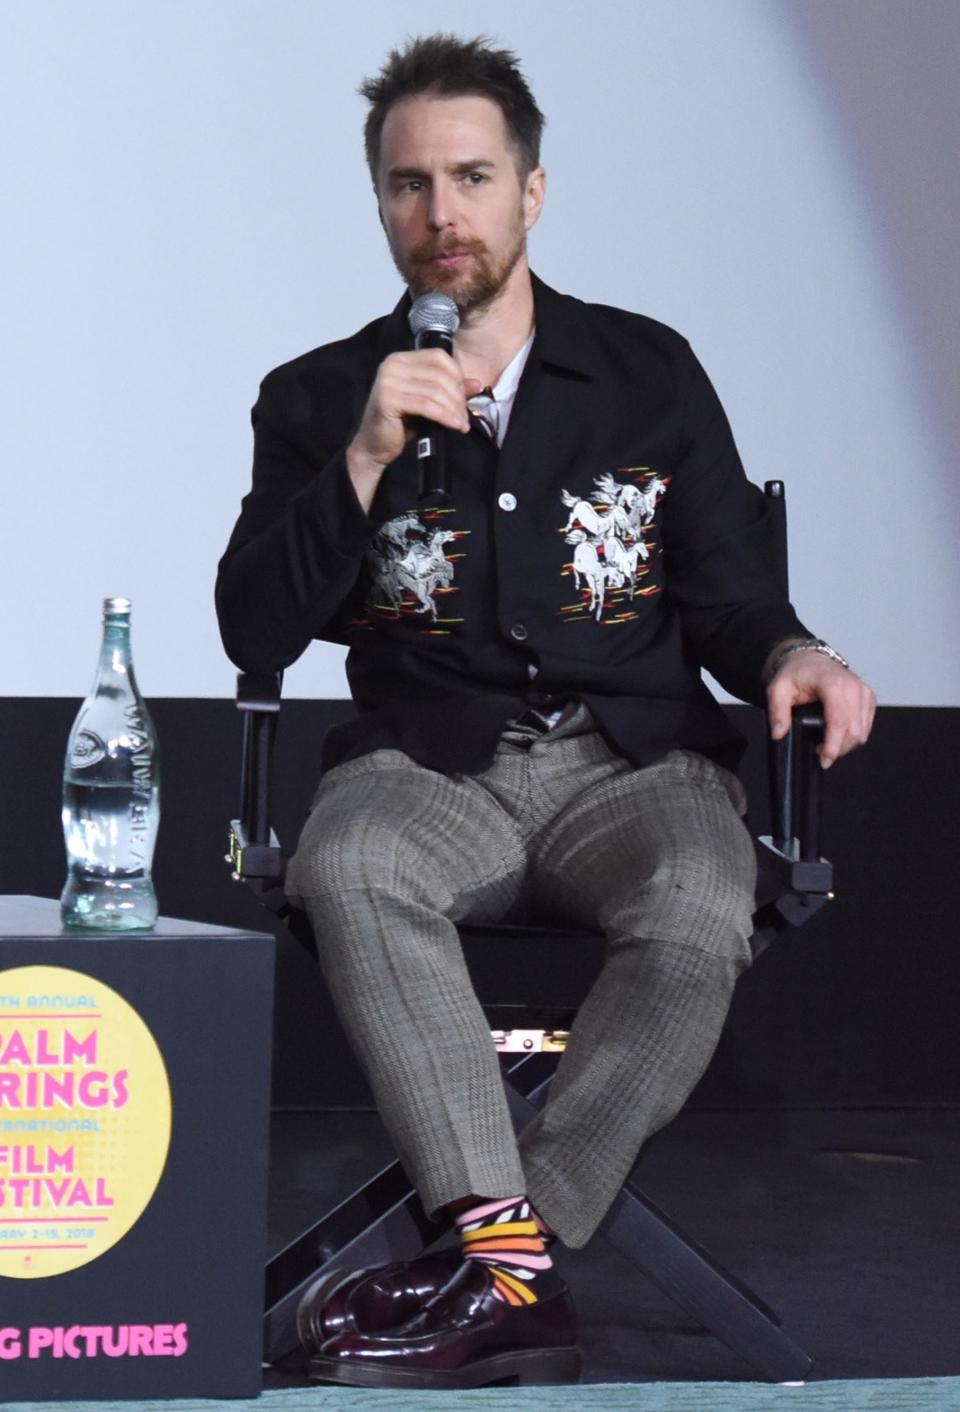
x=474, y=287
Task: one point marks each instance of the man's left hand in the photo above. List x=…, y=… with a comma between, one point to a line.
x=848, y=703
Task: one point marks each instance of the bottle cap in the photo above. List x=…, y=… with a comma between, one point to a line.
x=116, y=605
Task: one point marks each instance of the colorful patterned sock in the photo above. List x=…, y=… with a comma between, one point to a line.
x=504, y=1234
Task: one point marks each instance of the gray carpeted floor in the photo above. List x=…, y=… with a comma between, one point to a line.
x=886, y=1395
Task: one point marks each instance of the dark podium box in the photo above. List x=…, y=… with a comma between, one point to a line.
x=173, y=1308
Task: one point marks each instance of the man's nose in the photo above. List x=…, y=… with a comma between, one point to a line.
x=440, y=209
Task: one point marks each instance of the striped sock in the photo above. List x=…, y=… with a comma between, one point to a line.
x=504, y=1234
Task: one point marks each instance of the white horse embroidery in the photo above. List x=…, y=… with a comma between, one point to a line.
x=588, y=566
x=610, y=544
x=589, y=518
x=638, y=505
x=622, y=559
x=400, y=564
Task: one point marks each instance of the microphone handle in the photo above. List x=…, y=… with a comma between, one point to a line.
x=431, y=439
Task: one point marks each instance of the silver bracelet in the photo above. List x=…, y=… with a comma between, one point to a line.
x=809, y=644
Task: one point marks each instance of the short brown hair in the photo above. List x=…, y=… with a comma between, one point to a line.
x=451, y=67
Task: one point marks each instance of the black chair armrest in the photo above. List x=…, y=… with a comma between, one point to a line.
x=258, y=691
x=795, y=778
x=254, y=848
x=790, y=856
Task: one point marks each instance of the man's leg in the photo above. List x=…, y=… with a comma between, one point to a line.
x=390, y=858
x=660, y=859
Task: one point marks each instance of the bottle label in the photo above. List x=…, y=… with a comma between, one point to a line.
x=141, y=760
x=87, y=749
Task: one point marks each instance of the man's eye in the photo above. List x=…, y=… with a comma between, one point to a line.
x=475, y=178
x=412, y=184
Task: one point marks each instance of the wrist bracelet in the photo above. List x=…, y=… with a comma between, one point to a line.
x=809, y=644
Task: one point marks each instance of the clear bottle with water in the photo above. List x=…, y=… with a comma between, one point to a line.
x=111, y=794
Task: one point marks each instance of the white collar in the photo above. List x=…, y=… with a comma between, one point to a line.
x=509, y=379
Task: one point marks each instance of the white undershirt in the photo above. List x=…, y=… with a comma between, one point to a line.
x=505, y=392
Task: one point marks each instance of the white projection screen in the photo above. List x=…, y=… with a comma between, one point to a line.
x=187, y=206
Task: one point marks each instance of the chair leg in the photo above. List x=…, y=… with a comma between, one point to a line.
x=675, y=1263
x=702, y=1287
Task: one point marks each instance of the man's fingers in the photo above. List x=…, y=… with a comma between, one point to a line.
x=849, y=716
x=424, y=383
x=422, y=386
x=437, y=408
x=849, y=705
x=780, y=702
x=832, y=745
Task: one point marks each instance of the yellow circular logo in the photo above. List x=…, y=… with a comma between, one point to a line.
x=84, y=1119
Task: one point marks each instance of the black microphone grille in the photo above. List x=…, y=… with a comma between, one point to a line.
x=434, y=312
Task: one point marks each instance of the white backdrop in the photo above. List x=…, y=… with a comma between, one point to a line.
x=186, y=206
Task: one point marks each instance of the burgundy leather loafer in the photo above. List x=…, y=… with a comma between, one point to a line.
x=374, y=1299
x=463, y=1337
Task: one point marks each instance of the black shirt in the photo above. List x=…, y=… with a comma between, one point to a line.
x=611, y=548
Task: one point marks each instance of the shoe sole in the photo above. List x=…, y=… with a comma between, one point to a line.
x=538, y=1367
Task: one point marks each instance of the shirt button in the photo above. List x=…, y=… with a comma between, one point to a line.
x=518, y=632
x=506, y=501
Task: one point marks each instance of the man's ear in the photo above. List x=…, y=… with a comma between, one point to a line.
x=533, y=193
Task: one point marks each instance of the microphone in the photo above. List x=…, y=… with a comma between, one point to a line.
x=433, y=320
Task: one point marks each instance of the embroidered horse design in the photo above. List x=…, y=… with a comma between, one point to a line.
x=607, y=532
x=406, y=558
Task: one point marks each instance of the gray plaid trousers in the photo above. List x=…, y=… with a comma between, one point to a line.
x=394, y=855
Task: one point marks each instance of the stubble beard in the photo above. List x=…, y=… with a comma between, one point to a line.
x=472, y=289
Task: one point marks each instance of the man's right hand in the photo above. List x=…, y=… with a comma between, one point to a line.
x=425, y=383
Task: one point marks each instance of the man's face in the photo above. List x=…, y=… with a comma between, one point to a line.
x=455, y=210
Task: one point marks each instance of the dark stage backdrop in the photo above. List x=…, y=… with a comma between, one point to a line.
x=858, y=1008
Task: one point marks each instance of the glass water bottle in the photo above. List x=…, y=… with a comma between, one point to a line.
x=111, y=794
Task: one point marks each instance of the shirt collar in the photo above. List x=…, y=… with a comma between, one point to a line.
x=564, y=336
x=509, y=379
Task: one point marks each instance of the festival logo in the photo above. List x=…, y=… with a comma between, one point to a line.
x=84, y=1119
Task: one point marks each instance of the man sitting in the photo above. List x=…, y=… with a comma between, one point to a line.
x=532, y=727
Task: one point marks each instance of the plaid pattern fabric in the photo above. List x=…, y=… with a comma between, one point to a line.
x=393, y=855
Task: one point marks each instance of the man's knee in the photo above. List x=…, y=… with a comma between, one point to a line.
x=354, y=833
x=405, y=834
x=336, y=855
x=698, y=899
